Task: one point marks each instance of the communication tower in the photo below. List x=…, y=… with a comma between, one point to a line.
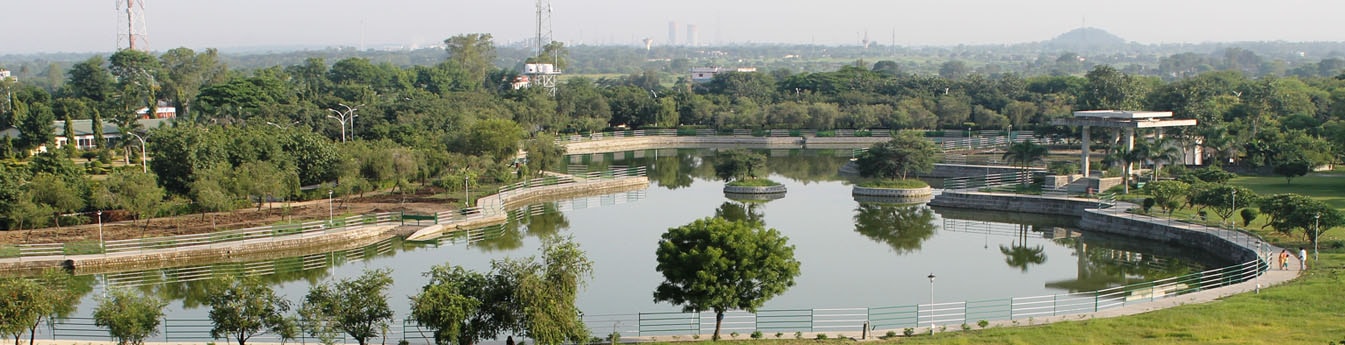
x=132, y=31
x=543, y=74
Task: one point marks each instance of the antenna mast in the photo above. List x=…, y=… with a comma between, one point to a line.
x=543, y=25
x=132, y=31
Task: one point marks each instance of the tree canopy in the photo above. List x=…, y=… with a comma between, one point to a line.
x=713, y=264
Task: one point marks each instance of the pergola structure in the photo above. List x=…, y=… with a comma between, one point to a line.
x=1122, y=121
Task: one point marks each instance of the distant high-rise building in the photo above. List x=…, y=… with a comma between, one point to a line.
x=672, y=32
x=691, y=35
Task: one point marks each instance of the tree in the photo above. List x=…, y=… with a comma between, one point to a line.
x=1289, y=212
x=133, y=191
x=536, y=298
x=129, y=316
x=185, y=72
x=494, y=137
x=474, y=54
x=1225, y=199
x=1292, y=169
x=739, y=165
x=544, y=153
x=715, y=264
x=22, y=306
x=241, y=308
x=907, y=153
x=1108, y=88
x=35, y=124
x=1168, y=195
x=358, y=307
x=461, y=306
x=1025, y=153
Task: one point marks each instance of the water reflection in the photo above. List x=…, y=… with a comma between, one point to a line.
x=536, y=220
x=902, y=227
x=678, y=168
x=741, y=211
x=1019, y=255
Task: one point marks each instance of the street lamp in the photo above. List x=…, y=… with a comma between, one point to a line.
x=101, y=246
x=143, y=168
x=1316, y=231
x=345, y=116
x=331, y=214
x=1235, y=208
x=931, y=303
x=466, y=193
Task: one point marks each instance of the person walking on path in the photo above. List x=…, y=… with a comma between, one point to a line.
x=1303, y=257
x=1284, y=259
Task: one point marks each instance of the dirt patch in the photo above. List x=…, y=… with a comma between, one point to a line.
x=425, y=201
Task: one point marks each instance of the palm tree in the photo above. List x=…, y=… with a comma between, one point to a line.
x=1025, y=153
x=1160, y=151
x=1019, y=255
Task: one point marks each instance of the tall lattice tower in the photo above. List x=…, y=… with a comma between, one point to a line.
x=543, y=74
x=543, y=24
x=132, y=30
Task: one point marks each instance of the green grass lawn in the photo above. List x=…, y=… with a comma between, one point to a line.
x=1328, y=187
x=1304, y=311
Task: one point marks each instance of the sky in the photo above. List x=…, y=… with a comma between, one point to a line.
x=34, y=26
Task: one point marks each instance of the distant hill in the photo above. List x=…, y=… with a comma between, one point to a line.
x=1086, y=39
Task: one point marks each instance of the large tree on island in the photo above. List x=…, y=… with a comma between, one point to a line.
x=907, y=153
x=715, y=264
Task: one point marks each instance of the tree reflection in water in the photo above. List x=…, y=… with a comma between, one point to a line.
x=902, y=227
x=741, y=211
x=536, y=220
x=1019, y=255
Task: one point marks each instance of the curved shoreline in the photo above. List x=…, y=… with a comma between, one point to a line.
x=495, y=211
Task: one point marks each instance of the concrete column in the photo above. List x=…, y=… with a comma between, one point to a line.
x=1084, y=164
x=1130, y=146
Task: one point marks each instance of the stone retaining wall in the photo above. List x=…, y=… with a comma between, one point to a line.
x=362, y=234
x=663, y=142
x=893, y=192
x=777, y=189
x=1107, y=221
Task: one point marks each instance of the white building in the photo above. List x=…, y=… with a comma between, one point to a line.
x=706, y=74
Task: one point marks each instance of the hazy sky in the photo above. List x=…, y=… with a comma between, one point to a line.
x=91, y=25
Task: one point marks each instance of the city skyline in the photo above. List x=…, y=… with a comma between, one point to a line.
x=58, y=26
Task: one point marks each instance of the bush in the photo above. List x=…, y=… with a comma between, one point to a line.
x=759, y=133
x=81, y=247
x=1063, y=168
x=756, y=335
x=756, y=182
x=686, y=132
x=821, y=336
x=863, y=133
x=1148, y=204
x=798, y=335
x=734, y=335
x=908, y=331
x=966, y=327
x=825, y=134
x=890, y=334
x=898, y=183
x=779, y=334
x=982, y=324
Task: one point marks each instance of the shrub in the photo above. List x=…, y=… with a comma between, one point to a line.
x=759, y=133
x=982, y=323
x=899, y=183
x=733, y=335
x=1062, y=167
x=1148, y=204
x=756, y=182
x=779, y=334
x=798, y=335
x=614, y=338
x=863, y=133
x=821, y=336
x=890, y=334
x=966, y=327
x=908, y=331
x=756, y=335
x=686, y=132
x=826, y=134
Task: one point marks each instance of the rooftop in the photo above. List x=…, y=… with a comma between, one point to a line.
x=1122, y=114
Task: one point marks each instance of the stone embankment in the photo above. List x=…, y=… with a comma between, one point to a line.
x=910, y=193
x=1235, y=246
x=335, y=239
x=666, y=142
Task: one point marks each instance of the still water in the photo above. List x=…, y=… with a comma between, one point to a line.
x=853, y=254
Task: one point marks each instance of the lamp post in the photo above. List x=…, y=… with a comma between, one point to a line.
x=343, y=117
x=1235, y=208
x=101, y=246
x=1316, y=231
x=931, y=303
x=331, y=213
x=466, y=193
x=143, y=168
